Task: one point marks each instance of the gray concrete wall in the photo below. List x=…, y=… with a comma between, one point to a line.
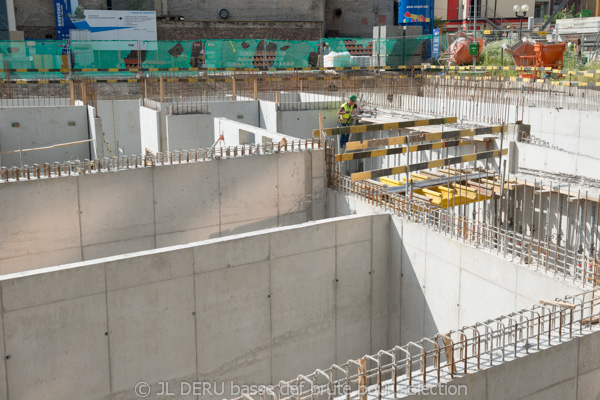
x=121, y=125
x=438, y=283
x=237, y=133
x=252, y=309
x=556, y=161
x=300, y=124
x=569, y=370
x=69, y=219
x=149, y=130
x=190, y=131
x=571, y=130
x=41, y=127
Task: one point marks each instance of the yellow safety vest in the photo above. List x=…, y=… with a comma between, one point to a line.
x=344, y=118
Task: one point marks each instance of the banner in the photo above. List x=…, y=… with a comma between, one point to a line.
x=64, y=10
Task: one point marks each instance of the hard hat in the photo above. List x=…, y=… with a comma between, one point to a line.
x=352, y=98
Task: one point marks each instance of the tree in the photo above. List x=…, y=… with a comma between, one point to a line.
x=79, y=12
x=135, y=4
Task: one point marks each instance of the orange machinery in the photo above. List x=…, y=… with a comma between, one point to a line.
x=458, y=52
x=528, y=53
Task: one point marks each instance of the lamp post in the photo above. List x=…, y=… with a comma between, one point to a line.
x=524, y=8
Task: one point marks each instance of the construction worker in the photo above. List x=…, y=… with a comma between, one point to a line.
x=345, y=117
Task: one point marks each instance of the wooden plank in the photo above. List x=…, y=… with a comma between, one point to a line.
x=558, y=303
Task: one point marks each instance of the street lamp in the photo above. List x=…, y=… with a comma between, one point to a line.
x=524, y=8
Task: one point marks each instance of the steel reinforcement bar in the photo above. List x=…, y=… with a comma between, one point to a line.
x=432, y=361
x=77, y=167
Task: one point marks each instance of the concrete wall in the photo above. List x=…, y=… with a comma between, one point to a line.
x=236, y=133
x=543, y=158
x=252, y=309
x=69, y=219
x=41, y=127
x=300, y=124
x=571, y=130
x=569, y=370
x=190, y=131
x=149, y=130
x=121, y=125
x=438, y=283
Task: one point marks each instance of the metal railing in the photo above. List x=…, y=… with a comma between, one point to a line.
x=430, y=361
x=77, y=167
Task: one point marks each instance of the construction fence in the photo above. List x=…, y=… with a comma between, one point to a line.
x=55, y=58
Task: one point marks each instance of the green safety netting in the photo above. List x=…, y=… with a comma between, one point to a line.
x=33, y=55
x=86, y=57
x=354, y=52
x=261, y=53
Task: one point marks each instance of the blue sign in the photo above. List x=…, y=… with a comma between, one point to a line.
x=64, y=11
x=416, y=12
x=435, y=52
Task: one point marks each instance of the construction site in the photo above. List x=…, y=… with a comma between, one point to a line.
x=452, y=242
x=359, y=218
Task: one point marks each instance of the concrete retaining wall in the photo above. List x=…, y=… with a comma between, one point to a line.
x=41, y=127
x=252, y=309
x=438, y=283
x=69, y=219
x=149, y=130
x=237, y=133
x=570, y=370
x=121, y=125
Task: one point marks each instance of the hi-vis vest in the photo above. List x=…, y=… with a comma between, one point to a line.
x=344, y=118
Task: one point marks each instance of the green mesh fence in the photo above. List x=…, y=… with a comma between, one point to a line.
x=115, y=57
x=261, y=53
x=33, y=55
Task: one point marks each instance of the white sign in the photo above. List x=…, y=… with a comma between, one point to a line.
x=117, y=24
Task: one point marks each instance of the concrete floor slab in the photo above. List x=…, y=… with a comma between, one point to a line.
x=163, y=314
x=58, y=350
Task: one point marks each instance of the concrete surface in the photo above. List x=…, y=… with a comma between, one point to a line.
x=41, y=127
x=104, y=214
x=254, y=308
